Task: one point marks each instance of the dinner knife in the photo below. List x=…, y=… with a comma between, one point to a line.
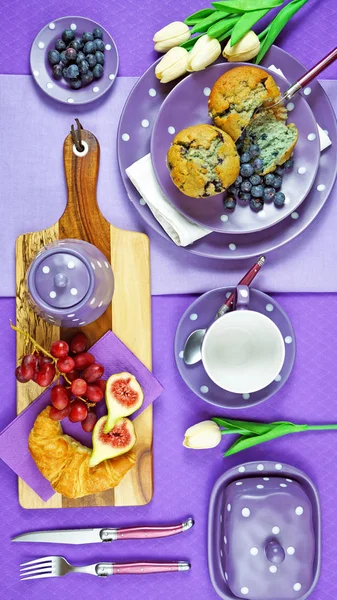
x=102, y=534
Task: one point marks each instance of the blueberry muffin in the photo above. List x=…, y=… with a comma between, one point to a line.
x=275, y=139
x=203, y=161
x=237, y=94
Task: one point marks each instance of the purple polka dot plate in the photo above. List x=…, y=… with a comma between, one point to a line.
x=186, y=105
x=200, y=315
x=134, y=138
x=59, y=89
x=264, y=533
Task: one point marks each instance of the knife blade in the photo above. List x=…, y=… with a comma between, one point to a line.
x=102, y=534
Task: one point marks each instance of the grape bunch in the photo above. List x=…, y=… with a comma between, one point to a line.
x=80, y=385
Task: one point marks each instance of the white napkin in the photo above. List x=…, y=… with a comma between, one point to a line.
x=182, y=231
x=324, y=139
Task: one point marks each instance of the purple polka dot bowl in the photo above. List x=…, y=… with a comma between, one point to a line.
x=59, y=89
x=264, y=533
x=70, y=283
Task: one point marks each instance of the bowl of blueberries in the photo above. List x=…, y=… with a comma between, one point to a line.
x=74, y=60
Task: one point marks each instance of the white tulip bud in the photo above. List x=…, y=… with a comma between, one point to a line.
x=170, y=36
x=245, y=49
x=203, y=435
x=204, y=52
x=172, y=65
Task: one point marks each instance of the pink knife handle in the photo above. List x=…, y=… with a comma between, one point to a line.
x=144, y=568
x=317, y=69
x=132, y=533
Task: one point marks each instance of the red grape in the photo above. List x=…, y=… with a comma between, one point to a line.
x=59, y=349
x=73, y=375
x=46, y=375
x=58, y=415
x=27, y=371
x=94, y=393
x=93, y=372
x=101, y=383
x=69, y=393
x=78, y=343
x=44, y=360
x=65, y=364
x=79, y=387
x=19, y=375
x=89, y=422
x=59, y=397
x=30, y=359
x=78, y=411
x=83, y=360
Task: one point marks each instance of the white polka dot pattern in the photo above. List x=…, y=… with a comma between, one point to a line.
x=299, y=510
x=273, y=569
x=152, y=92
x=278, y=467
x=207, y=91
x=245, y=512
x=275, y=530
x=204, y=389
x=229, y=507
x=260, y=467
x=232, y=247
x=241, y=469
x=244, y=591
x=297, y=587
x=254, y=551
x=145, y=123
x=125, y=137
x=224, y=218
x=171, y=130
x=193, y=316
x=311, y=137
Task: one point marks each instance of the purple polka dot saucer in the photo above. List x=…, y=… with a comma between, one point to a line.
x=59, y=89
x=200, y=315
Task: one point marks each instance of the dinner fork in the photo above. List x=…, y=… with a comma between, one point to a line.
x=57, y=566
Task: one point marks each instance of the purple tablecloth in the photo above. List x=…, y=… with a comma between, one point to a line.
x=184, y=478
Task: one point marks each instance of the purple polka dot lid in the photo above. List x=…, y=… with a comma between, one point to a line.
x=264, y=533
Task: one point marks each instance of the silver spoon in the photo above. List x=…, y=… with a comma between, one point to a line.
x=192, y=348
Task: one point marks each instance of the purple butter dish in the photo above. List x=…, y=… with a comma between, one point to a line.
x=264, y=533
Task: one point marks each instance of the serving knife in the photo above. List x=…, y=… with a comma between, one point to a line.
x=102, y=534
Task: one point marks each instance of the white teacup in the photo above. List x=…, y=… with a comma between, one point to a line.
x=243, y=351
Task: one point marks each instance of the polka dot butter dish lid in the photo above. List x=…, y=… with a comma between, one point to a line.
x=264, y=533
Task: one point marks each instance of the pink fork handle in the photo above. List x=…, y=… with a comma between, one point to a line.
x=317, y=69
x=133, y=533
x=145, y=568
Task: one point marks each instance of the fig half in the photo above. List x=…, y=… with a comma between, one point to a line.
x=123, y=396
x=109, y=445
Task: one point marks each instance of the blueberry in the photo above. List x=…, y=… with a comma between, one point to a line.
x=255, y=179
x=89, y=48
x=87, y=77
x=99, y=45
x=279, y=170
x=91, y=58
x=246, y=170
x=231, y=190
x=53, y=57
x=269, y=179
x=72, y=72
x=268, y=193
x=70, y=54
x=244, y=197
x=75, y=84
x=65, y=73
x=97, y=33
x=98, y=71
x=289, y=164
x=245, y=157
x=230, y=203
x=64, y=58
x=83, y=67
x=237, y=181
x=279, y=199
x=258, y=164
x=57, y=71
x=246, y=186
x=254, y=150
x=277, y=182
x=80, y=56
x=99, y=57
x=76, y=45
x=257, y=191
x=60, y=45
x=68, y=36
x=255, y=204
x=87, y=37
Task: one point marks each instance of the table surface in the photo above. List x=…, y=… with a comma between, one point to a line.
x=183, y=479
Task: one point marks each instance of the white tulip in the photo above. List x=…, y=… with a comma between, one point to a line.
x=245, y=49
x=170, y=36
x=172, y=65
x=203, y=435
x=204, y=52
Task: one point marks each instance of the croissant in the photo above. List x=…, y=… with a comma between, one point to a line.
x=65, y=462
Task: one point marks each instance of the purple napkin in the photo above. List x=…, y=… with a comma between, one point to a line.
x=115, y=357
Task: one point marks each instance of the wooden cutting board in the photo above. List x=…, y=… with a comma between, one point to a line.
x=129, y=315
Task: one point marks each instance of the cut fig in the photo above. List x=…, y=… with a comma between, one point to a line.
x=109, y=445
x=123, y=397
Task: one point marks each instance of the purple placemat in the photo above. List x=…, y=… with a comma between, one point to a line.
x=115, y=357
x=37, y=202
x=184, y=479
x=309, y=35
